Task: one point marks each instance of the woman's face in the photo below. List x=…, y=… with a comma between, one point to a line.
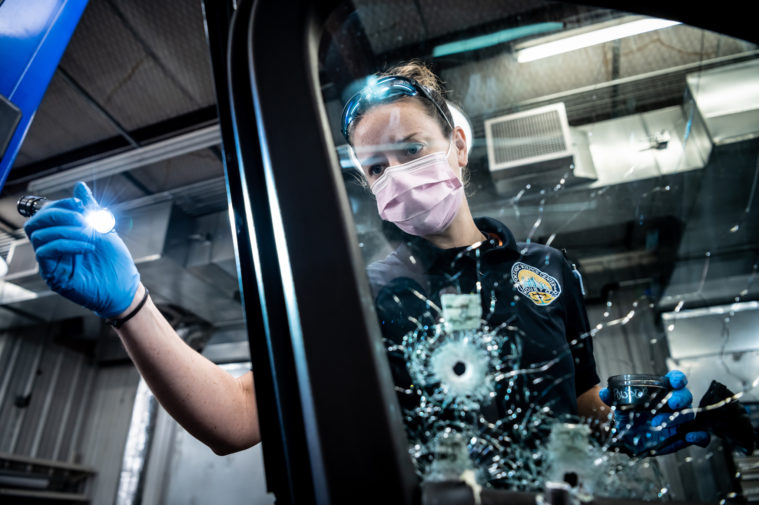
x=402, y=131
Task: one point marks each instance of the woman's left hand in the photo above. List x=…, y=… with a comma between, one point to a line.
x=646, y=433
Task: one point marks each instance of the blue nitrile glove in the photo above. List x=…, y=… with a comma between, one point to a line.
x=643, y=433
x=90, y=268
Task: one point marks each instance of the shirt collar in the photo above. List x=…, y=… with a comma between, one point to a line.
x=490, y=225
x=429, y=255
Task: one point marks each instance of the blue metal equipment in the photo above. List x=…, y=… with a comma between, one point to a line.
x=33, y=36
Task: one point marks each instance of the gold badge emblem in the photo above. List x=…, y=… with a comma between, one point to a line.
x=535, y=284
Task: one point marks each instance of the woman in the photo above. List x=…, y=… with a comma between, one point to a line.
x=414, y=160
x=97, y=271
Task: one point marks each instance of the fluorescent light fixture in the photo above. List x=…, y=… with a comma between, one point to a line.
x=587, y=39
x=134, y=158
x=492, y=39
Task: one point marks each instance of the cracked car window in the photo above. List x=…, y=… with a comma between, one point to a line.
x=556, y=206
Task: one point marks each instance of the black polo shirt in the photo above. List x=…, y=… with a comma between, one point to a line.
x=528, y=288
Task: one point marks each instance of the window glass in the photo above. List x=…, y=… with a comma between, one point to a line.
x=573, y=199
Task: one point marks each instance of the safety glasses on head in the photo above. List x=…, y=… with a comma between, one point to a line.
x=383, y=90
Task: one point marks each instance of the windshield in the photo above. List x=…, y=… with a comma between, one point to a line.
x=545, y=197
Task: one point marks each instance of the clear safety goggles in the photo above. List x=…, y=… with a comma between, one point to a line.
x=380, y=91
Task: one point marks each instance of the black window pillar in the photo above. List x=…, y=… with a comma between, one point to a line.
x=330, y=422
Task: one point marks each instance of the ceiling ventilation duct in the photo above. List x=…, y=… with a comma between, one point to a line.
x=536, y=147
x=728, y=100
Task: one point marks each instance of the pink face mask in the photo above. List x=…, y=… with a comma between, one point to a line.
x=421, y=197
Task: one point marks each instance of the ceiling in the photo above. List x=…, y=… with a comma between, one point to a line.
x=135, y=72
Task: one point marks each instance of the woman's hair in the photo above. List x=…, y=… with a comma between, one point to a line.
x=418, y=71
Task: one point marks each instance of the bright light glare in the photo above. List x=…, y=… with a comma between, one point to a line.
x=592, y=38
x=101, y=220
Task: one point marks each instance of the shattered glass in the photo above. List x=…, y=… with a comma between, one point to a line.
x=652, y=201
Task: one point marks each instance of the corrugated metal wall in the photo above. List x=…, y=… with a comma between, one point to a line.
x=43, y=395
x=105, y=432
x=56, y=404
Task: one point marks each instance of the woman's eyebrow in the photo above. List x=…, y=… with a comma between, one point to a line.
x=375, y=152
x=407, y=137
x=376, y=149
x=371, y=158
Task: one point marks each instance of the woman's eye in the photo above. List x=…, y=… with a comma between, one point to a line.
x=376, y=169
x=415, y=148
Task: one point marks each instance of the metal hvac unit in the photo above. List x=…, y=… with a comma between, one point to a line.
x=728, y=100
x=536, y=147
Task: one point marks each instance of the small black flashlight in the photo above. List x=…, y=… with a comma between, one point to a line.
x=28, y=205
x=101, y=220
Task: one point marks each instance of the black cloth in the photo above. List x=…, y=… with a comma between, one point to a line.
x=529, y=288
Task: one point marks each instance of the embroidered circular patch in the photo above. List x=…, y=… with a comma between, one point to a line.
x=535, y=284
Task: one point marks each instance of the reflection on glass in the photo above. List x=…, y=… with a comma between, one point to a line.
x=597, y=219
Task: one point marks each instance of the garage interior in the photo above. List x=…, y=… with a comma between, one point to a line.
x=652, y=194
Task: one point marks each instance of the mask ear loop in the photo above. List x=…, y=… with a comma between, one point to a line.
x=450, y=146
x=461, y=169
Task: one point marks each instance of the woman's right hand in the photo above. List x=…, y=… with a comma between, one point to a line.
x=90, y=268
